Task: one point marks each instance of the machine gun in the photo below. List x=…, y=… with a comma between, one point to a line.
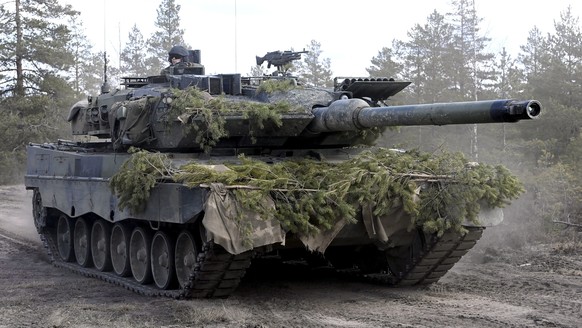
x=280, y=58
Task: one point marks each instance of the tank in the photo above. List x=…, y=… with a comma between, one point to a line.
x=147, y=199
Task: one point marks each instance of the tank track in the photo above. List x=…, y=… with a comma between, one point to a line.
x=438, y=256
x=217, y=273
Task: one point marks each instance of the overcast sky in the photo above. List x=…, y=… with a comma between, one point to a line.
x=230, y=33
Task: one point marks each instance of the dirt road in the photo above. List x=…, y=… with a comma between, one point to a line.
x=491, y=287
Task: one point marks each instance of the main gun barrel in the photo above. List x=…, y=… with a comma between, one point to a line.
x=356, y=114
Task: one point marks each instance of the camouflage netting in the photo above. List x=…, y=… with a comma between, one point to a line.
x=312, y=196
x=206, y=115
x=191, y=104
x=276, y=91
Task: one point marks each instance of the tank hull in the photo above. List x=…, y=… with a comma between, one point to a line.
x=174, y=232
x=77, y=184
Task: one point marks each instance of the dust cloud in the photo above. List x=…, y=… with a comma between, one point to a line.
x=16, y=213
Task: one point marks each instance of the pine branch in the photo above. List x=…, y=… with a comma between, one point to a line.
x=310, y=196
x=570, y=224
x=205, y=185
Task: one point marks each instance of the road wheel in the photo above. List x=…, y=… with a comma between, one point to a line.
x=140, y=256
x=119, y=248
x=162, y=260
x=100, y=242
x=185, y=257
x=82, y=242
x=65, y=238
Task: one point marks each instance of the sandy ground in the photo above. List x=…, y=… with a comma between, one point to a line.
x=538, y=285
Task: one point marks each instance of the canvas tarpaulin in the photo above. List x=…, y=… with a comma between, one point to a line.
x=235, y=228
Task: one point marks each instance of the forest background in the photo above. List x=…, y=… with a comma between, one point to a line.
x=47, y=64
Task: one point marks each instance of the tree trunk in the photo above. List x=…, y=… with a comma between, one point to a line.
x=19, y=53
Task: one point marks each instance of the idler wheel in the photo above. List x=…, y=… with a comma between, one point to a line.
x=119, y=248
x=185, y=257
x=100, y=243
x=140, y=256
x=162, y=260
x=82, y=242
x=39, y=213
x=65, y=238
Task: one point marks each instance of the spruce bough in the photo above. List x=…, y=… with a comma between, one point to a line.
x=312, y=196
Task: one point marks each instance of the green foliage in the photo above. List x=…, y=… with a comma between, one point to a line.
x=313, y=70
x=205, y=108
x=311, y=196
x=212, y=113
x=86, y=71
x=24, y=120
x=274, y=85
x=365, y=136
x=383, y=65
x=138, y=176
x=10, y=164
x=35, y=58
x=558, y=193
x=133, y=56
x=34, y=45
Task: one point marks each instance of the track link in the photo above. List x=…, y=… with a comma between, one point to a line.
x=441, y=256
x=437, y=258
x=217, y=273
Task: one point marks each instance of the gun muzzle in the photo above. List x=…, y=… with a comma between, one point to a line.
x=527, y=108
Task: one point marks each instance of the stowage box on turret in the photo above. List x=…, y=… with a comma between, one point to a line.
x=185, y=179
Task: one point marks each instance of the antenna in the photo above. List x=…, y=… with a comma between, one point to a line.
x=235, y=39
x=105, y=86
x=104, y=26
x=119, y=49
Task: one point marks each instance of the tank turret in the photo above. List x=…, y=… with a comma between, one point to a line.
x=154, y=112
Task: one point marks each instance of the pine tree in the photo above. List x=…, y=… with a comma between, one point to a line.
x=35, y=58
x=509, y=80
x=472, y=62
x=428, y=60
x=565, y=70
x=534, y=58
x=133, y=54
x=385, y=64
x=167, y=35
x=86, y=76
x=34, y=50
x=313, y=71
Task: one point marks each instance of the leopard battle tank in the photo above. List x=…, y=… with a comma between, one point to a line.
x=183, y=180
